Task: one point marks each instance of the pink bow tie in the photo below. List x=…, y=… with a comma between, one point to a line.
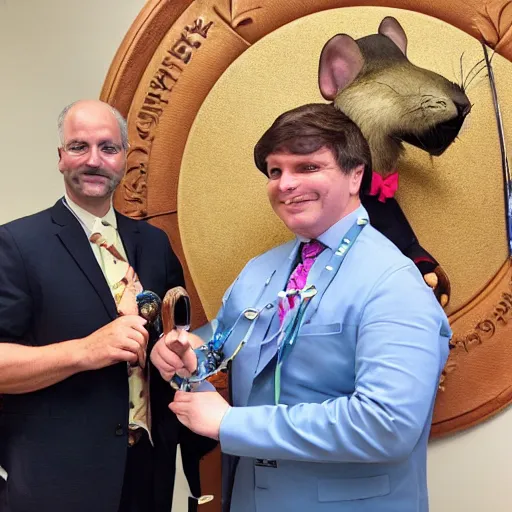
x=385, y=188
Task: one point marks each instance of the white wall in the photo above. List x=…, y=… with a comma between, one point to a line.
x=52, y=52
x=55, y=51
x=471, y=471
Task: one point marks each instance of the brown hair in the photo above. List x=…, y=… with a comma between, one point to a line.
x=307, y=129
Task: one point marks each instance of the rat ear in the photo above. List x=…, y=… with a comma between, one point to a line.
x=341, y=61
x=390, y=28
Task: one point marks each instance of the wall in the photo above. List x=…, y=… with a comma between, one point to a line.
x=55, y=51
x=52, y=52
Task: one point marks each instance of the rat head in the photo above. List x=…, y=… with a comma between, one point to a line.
x=391, y=100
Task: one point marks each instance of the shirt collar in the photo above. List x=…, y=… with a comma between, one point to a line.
x=332, y=237
x=87, y=219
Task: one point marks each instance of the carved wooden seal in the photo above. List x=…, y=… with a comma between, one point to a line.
x=167, y=66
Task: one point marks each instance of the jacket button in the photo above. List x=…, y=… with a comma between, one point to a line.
x=119, y=430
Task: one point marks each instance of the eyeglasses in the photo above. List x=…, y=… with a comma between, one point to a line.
x=79, y=148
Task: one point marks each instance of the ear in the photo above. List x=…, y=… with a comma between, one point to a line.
x=390, y=28
x=341, y=61
x=59, y=151
x=356, y=179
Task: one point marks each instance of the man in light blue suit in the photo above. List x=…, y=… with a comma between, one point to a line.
x=341, y=423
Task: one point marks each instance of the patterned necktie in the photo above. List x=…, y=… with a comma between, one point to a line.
x=113, y=263
x=125, y=286
x=299, y=276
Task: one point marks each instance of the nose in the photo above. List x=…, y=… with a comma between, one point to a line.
x=461, y=101
x=287, y=181
x=463, y=108
x=93, y=158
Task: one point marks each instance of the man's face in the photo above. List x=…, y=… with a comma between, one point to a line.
x=310, y=193
x=92, y=159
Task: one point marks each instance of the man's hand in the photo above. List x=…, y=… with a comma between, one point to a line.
x=124, y=339
x=201, y=412
x=174, y=353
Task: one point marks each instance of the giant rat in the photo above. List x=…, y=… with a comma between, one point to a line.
x=393, y=101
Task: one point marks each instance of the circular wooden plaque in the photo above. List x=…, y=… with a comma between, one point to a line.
x=189, y=74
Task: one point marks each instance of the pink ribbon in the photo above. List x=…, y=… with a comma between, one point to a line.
x=385, y=188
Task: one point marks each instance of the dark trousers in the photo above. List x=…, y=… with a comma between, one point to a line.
x=148, y=484
x=152, y=489
x=168, y=434
x=137, y=494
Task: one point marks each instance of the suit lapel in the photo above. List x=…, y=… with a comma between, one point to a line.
x=269, y=346
x=330, y=270
x=75, y=241
x=325, y=278
x=322, y=282
x=254, y=350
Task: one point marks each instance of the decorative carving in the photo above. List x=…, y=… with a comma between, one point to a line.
x=494, y=22
x=135, y=180
x=182, y=49
x=168, y=38
x=199, y=28
x=164, y=27
x=483, y=331
x=450, y=366
x=156, y=99
x=238, y=19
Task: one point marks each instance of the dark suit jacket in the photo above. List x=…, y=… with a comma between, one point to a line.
x=65, y=446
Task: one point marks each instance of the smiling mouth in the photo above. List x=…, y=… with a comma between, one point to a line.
x=299, y=199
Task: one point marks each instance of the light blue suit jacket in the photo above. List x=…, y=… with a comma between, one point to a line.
x=357, y=391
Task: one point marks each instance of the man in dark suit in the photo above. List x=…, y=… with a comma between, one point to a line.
x=67, y=437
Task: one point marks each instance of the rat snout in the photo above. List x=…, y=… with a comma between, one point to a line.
x=463, y=108
x=460, y=100
x=451, y=109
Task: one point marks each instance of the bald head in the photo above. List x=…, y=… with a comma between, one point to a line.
x=94, y=108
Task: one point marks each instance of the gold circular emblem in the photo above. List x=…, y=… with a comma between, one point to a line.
x=200, y=81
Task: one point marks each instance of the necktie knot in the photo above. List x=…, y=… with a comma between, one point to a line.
x=311, y=249
x=309, y=252
x=105, y=235
x=104, y=230
x=299, y=276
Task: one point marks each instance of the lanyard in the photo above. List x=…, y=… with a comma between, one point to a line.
x=290, y=329
x=210, y=356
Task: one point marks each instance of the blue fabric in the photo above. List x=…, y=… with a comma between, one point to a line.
x=357, y=391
